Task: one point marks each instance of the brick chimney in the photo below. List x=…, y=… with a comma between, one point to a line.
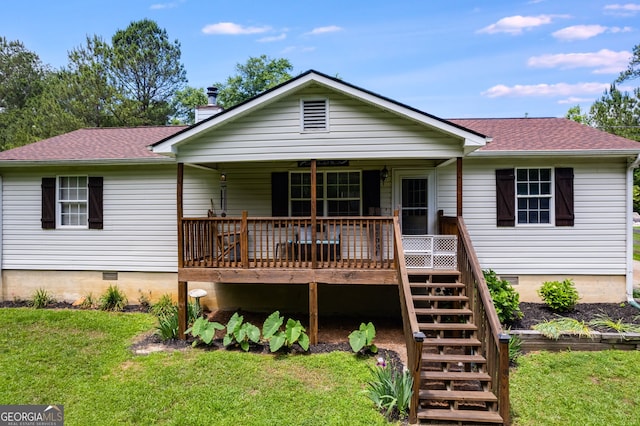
x=212, y=108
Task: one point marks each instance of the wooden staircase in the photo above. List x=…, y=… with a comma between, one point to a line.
x=454, y=388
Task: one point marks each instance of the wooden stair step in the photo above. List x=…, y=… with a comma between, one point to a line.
x=433, y=272
x=418, y=284
x=446, y=395
x=454, y=375
x=442, y=311
x=470, y=416
x=453, y=358
x=438, y=298
x=447, y=326
x=444, y=341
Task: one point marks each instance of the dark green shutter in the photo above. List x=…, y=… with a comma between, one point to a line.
x=505, y=197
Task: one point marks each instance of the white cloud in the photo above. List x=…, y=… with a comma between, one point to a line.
x=516, y=24
x=574, y=100
x=583, y=32
x=604, y=61
x=325, y=30
x=229, y=28
x=545, y=90
x=168, y=5
x=273, y=38
x=628, y=9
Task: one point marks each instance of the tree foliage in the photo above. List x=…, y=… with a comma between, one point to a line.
x=184, y=103
x=21, y=74
x=633, y=70
x=254, y=77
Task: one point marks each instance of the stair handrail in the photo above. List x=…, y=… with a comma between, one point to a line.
x=495, y=344
x=414, y=338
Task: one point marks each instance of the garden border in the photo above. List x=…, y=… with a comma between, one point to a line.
x=533, y=340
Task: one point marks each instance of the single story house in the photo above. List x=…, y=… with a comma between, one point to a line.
x=542, y=198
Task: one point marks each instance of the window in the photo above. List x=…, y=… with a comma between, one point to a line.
x=531, y=195
x=72, y=202
x=533, y=191
x=337, y=193
x=314, y=115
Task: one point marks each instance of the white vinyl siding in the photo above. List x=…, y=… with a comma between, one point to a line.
x=357, y=131
x=140, y=228
x=595, y=245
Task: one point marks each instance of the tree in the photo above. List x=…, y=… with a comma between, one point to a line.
x=618, y=113
x=184, y=103
x=633, y=70
x=145, y=69
x=254, y=77
x=21, y=74
x=575, y=114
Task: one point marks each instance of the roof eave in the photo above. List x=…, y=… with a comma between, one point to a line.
x=82, y=162
x=557, y=153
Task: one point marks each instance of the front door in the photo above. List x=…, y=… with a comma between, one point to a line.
x=414, y=193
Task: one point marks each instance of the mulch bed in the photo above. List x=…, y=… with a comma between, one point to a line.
x=535, y=313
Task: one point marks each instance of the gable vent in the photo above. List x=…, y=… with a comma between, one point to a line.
x=314, y=115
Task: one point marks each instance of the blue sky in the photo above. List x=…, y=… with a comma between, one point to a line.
x=453, y=59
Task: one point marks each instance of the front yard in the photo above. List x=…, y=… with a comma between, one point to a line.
x=81, y=359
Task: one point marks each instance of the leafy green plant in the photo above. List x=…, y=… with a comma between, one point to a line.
x=240, y=333
x=515, y=348
x=41, y=299
x=602, y=320
x=163, y=306
x=112, y=300
x=167, y=327
x=552, y=329
x=204, y=330
x=390, y=389
x=560, y=296
x=144, y=300
x=636, y=293
x=505, y=299
x=363, y=338
x=293, y=332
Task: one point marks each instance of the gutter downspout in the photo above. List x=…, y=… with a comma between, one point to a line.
x=630, y=299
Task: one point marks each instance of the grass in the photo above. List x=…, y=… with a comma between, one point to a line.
x=576, y=388
x=81, y=359
x=636, y=243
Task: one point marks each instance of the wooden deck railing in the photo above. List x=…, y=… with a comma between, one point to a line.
x=414, y=338
x=300, y=242
x=495, y=343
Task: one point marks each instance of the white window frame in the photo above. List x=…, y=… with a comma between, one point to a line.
x=60, y=202
x=325, y=198
x=550, y=196
x=303, y=116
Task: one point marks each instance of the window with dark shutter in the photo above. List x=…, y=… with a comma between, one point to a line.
x=564, y=196
x=48, y=218
x=505, y=197
x=95, y=203
x=314, y=115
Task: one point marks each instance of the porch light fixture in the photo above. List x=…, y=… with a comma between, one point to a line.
x=384, y=174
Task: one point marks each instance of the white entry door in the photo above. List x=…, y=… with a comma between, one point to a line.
x=414, y=196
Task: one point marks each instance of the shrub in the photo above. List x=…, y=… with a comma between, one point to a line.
x=88, y=302
x=41, y=298
x=363, y=338
x=144, y=300
x=505, y=299
x=167, y=327
x=164, y=306
x=560, y=296
x=390, y=389
x=112, y=300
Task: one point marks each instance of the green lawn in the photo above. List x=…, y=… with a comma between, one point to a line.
x=636, y=243
x=81, y=359
x=576, y=388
